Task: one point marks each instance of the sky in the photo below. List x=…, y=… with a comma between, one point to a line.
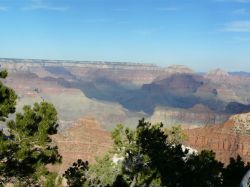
x=202, y=34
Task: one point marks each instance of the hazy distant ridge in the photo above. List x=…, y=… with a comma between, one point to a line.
x=8, y=62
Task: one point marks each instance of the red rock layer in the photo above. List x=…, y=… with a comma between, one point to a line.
x=85, y=140
x=222, y=139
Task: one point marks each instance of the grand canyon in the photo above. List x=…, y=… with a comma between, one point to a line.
x=93, y=97
x=129, y=93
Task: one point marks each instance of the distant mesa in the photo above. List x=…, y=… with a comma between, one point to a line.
x=217, y=73
x=200, y=108
x=240, y=73
x=173, y=70
x=179, y=69
x=181, y=81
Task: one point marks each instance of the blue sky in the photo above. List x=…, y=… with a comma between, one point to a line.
x=202, y=34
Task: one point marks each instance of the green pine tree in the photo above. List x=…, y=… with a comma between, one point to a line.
x=26, y=147
x=7, y=98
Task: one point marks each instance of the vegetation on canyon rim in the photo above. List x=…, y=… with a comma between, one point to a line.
x=147, y=156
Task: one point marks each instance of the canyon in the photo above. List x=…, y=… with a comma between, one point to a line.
x=116, y=92
x=93, y=97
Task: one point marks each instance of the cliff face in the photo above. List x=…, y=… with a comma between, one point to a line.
x=135, y=73
x=227, y=140
x=230, y=87
x=198, y=115
x=84, y=140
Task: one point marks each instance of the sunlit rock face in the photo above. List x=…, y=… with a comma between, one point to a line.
x=84, y=140
x=196, y=116
x=217, y=73
x=227, y=140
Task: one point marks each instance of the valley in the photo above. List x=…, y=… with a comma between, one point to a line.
x=91, y=98
x=125, y=92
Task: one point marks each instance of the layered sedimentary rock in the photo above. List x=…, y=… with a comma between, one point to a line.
x=116, y=92
x=136, y=73
x=198, y=115
x=230, y=87
x=84, y=140
x=71, y=103
x=227, y=140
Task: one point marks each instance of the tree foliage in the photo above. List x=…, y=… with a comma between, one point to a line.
x=76, y=175
x=202, y=170
x=28, y=148
x=234, y=172
x=7, y=98
x=101, y=174
x=152, y=158
x=175, y=134
x=104, y=171
x=25, y=146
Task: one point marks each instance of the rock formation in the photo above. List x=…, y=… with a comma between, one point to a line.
x=218, y=73
x=197, y=116
x=227, y=140
x=84, y=140
x=121, y=92
x=136, y=73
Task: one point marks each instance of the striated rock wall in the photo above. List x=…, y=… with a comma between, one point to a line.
x=198, y=115
x=25, y=64
x=136, y=73
x=223, y=139
x=85, y=140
